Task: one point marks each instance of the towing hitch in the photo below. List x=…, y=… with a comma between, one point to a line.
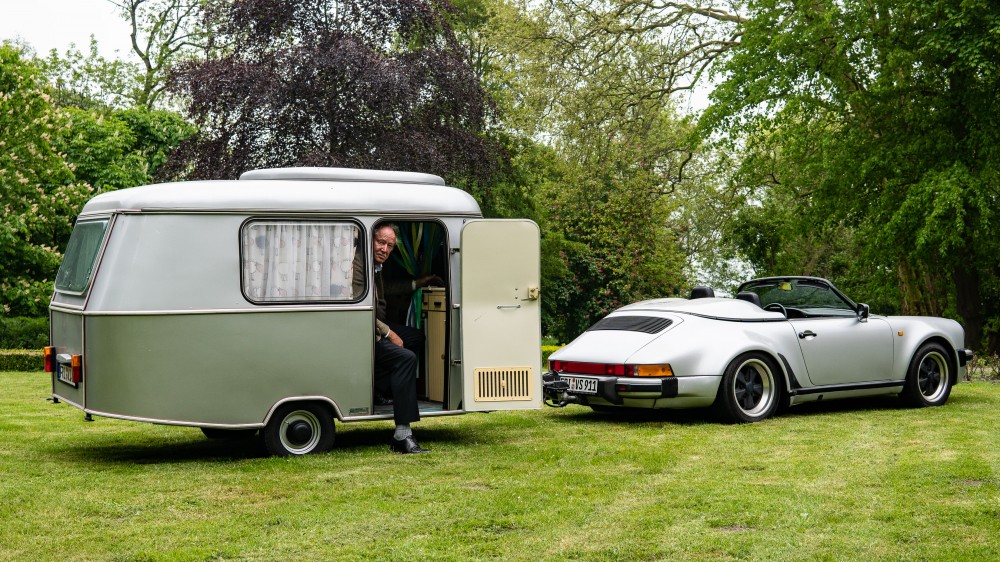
x=554, y=390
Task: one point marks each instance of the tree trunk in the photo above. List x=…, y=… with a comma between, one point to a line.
x=921, y=290
x=969, y=304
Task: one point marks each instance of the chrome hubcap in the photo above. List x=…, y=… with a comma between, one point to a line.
x=300, y=432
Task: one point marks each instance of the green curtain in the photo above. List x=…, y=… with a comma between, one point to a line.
x=416, y=248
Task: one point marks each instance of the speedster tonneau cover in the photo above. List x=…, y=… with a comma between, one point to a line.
x=618, y=342
x=715, y=308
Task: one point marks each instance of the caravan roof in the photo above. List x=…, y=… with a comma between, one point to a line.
x=296, y=190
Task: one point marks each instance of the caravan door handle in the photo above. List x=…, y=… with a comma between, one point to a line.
x=503, y=306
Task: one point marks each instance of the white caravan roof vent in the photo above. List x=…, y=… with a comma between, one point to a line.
x=341, y=174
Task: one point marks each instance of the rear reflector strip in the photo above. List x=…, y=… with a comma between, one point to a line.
x=610, y=369
x=604, y=369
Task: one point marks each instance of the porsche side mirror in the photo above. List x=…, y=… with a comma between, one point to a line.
x=863, y=312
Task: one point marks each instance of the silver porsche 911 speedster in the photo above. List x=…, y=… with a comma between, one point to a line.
x=781, y=341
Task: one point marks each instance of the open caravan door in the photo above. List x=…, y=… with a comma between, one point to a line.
x=501, y=316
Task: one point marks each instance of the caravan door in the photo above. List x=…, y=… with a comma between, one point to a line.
x=500, y=315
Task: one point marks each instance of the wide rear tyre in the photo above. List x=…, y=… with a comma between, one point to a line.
x=928, y=379
x=299, y=429
x=750, y=390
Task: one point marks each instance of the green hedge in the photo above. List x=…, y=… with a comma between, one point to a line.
x=24, y=333
x=546, y=351
x=31, y=359
x=21, y=360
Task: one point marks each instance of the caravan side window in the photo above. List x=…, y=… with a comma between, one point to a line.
x=298, y=261
x=81, y=255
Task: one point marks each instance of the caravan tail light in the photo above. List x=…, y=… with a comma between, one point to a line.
x=76, y=362
x=49, y=354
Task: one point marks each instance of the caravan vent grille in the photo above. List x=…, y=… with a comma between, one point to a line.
x=504, y=383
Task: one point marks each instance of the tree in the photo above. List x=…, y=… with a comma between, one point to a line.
x=52, y=159
x=567, y=67
x=121, y=148
x=593, y=87
x=37, y=190
x=374, y=83
x=884, y=116
x=89, y=81
x=113, y=138
x=608, y=223
x=164, y=32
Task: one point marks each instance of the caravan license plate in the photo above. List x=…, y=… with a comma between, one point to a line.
x=65, y=374
x=581, y=385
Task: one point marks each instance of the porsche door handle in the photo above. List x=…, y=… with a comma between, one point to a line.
x=807, y=334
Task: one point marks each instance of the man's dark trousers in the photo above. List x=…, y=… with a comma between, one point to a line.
x=413, y=339
x=396, y=376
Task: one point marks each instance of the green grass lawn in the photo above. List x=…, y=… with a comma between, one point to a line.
x=859, y=480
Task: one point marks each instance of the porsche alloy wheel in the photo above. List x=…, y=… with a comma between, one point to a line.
x=928, y=380
x=750, y=389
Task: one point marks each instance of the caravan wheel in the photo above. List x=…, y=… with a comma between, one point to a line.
x=299, y=429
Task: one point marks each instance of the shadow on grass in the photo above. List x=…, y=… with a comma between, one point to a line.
x=873, y=403
x=694, y=416
x=842, y=405
x=187, y=445
x=193, y=447
x=626, y=416
x=365, y=437
x=163, y=451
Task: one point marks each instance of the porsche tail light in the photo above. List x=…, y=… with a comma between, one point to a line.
x=611, y=369
x=654, y=371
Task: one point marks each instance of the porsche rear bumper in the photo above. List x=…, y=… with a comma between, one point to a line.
x=964, y=356
x=650, y=392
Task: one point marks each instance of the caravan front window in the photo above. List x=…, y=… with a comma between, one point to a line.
x=299, y=261
x=81, y=254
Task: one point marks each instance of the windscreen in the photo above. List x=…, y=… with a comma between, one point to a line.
x=802, y=294
x=81, y=254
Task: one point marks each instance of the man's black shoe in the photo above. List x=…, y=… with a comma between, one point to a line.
x=406, y=446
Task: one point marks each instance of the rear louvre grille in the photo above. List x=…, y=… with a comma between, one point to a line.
x=505, y=383
x=645, y=324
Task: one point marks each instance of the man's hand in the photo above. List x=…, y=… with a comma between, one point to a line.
x=429, y=280
x=394, y=338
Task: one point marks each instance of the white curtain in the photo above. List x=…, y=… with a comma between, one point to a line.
x=297, y=261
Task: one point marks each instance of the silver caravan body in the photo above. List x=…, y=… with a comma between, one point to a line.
x=158, y=302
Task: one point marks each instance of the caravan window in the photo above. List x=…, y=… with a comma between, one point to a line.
x=299, y=261
x=81, y=254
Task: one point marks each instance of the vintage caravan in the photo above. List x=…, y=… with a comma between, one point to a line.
x=233, y=306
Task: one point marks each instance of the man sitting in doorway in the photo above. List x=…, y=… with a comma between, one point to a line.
x=395, y=362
